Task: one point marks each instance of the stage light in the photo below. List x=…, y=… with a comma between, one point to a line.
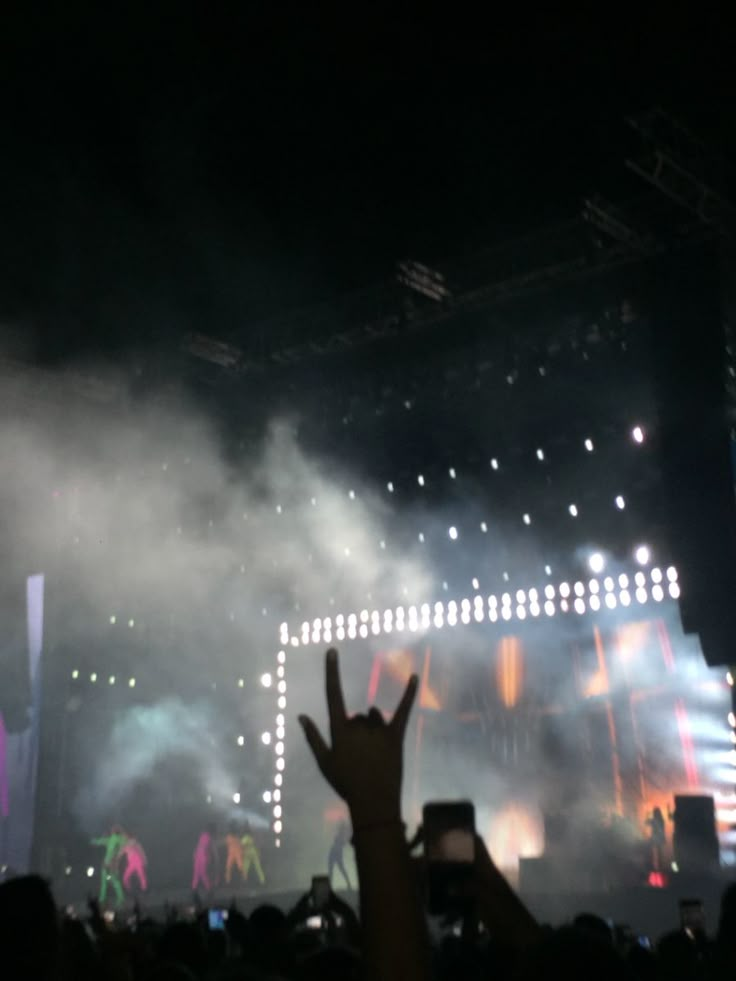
x=549, y=608
x=420, y=480
x=280, y=671
x=493, y=615
x=277, y=811
x=623, y=580
x=390, y=487
x=579, y=606
x=266, y=796
x=113, y=619
x=506, y=599
x=111, y=679
x=425, y=609
x=625, y=597
x=90, y=872
x=595, y=603
x=236, y=798
x=465, y=616
x=452, y=532
x=549, y=591
x=339, y=619
x=93, y=677
x=438, y=621
x=642, y=554
x=732, y=720
x=279, y=749
x=483, y=527
x=280, y=763
x=641, y=595
x=351, y=495
x=75, y=674
x=589, y=445
x=540, y=454
x=241, y=683
x=277, y=843
x=131, y=623
x=579, y=589
x=594, y=586
x=131, y=683
x=68, y=870
x=241, y=740
x=382, y=544
x=608, y=584
x=313, y=502
x=564, y=606
x=479, y=614
x=656, y=575
x=548, y=570
x=640, y=579
x=363, y=630
x=564, y=589
x=340, y=633
x=520, y=596
x=475, y=584
x=620, y=503
x=534, y=609
x=266, y=738
x=672, y=574
x=266, y=680
x=492, y=601
x=506, y=612
x=729, y=678
x=277, y=826
x=610, y=601
x=280, y=720
x=596, y=562
x=352, y=632
x=420, y=536
x=526, y=519
x=452, y=473
x=277, y=795
x=573, y=509
x=278, y=780
x=637, y=434
x=657, y=593
x=364, y=616
x=494, y=464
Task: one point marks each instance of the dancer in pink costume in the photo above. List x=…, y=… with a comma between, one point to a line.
x=203, y=859
x=137, y=861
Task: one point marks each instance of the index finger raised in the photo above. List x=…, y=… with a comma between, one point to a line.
x=335, y=700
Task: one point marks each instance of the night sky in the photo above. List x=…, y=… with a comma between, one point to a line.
x=215, y=167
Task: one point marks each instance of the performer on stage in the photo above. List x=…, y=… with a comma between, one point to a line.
x=203, y=860
x=335, y=856
x=251, y=856
x=136, y=863
x=112, y=844
x=657, y=838
x=234, y=854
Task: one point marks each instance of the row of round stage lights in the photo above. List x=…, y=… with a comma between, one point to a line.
x=579, y=596
x=93, y=677
x=273, y=797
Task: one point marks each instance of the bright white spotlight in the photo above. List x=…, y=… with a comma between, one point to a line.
x=573, y=509
x=540, y=455
x=93, y=677
x=390, y=487
x=593, y=586
x=656, y=575
x=595, y=603
x=520, y=596
x=236, y=798
x=113, y=619
x=420, y=480
x=279, y=749
x=266, y=680
x=596, y=562
x=75, y=674
x=548, y=570
x=494, y=464
x=579, y=606
x=641, y=595
x=526, y=518
x=610, y=601
x=549, y=608
x=642, y=554
x=241, y=740
x=637, y=434
x=483, y=527
x=475, y=584
x=657, y=593
x=266, y=796
x=549, y=591
x=452, y=532
x=672, y=574
x=280, y=763
x=277, y=826
x=564, y=589
x=674, y=590
x=579, y=589
x=90, y=871
x=620, y=502
x=625, y=597
x=277, y=811
x=453, y=475
x=266, y=738
x=623, y=580
x=589, y=445
x=131, y=683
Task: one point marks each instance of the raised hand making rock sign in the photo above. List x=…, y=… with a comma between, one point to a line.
x=365, y=761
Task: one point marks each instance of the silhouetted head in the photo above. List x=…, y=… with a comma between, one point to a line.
x=29, y=933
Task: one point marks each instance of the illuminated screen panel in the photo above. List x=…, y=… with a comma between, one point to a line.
x=591, y=720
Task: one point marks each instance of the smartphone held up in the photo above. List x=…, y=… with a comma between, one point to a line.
x=449, y=851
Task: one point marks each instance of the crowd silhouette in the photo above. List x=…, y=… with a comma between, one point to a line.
x=490, y=935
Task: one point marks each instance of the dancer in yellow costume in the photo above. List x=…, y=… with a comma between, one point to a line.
x=251, y=856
